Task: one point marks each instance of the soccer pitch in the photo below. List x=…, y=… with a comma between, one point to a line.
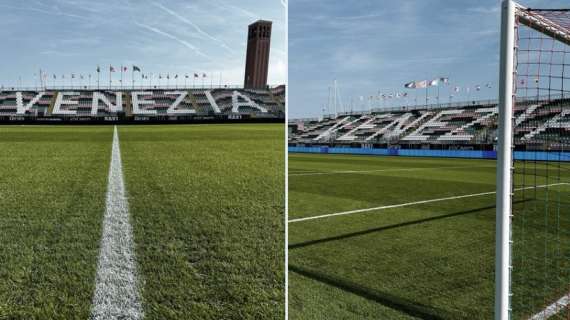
x=404, y=238
x=205, y=204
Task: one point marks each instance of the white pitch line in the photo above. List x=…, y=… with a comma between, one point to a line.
x=383, y=170
x=552, y=309
x=414, y=203
x=116, y=293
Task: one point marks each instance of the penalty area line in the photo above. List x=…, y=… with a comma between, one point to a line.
x=407, y=204
x=552, y=309
x=116, y=293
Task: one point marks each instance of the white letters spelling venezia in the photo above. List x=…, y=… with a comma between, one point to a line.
x=146, y=103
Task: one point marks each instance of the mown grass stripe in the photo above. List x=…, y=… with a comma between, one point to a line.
x=414, y=203
x=116, y=293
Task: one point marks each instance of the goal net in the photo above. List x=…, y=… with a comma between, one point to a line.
x=533, y=168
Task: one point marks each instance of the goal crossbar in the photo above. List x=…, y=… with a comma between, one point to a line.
x=545, y=21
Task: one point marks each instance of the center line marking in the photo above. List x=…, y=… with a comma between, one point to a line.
x=116, y=293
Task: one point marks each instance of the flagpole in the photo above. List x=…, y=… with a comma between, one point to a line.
x=110, y=77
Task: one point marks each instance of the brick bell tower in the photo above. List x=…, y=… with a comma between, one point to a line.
x=257, y=57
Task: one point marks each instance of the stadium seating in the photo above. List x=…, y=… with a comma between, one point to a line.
x=540, y=124
x=260, y=103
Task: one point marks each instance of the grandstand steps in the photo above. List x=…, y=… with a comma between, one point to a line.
x=349, y=135
x=418, y=122
x=416, y=136
x=128, y=104
x=529, y=111
x=382, y=130
x=52, y=102
x=193, y=101
x=274, y=99
x=401, y=127
x=332, y=129
x=552, y=123
x=455, y=133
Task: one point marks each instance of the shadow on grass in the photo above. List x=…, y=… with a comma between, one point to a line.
x=393, y=226
x=406, y=306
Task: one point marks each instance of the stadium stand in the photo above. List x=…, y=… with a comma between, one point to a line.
x=469, y=126
x=142, y=104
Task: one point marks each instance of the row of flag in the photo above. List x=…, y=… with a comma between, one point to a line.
x=422, y=84
x=426, y=83
x=134, y=69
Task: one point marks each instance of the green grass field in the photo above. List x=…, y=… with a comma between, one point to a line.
x=421, y=261
x=206, y=206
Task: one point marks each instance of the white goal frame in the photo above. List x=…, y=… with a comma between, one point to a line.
x=511, y=15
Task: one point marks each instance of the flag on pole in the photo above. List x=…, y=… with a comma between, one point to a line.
x=456, y=89
x=186, y=76
x=433, y=83
x=421, y=84
x=196, y=75
x=488, y=85
x=111, y=69
x=125, y=69
x=410, y=85
x=135, y=68
x=444, y=80
x=203, y=75
x=176, y=76
x=98, y=69
x=478, y=87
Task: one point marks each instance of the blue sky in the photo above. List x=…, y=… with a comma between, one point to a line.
x=159, y=36
x=373, y=46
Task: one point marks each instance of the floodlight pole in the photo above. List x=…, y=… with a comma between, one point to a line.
x=505, y=163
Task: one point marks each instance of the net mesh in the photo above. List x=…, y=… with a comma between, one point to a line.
x=540, y=282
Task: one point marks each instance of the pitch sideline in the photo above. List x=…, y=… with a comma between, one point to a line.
x=116, y=293
x=315, y=173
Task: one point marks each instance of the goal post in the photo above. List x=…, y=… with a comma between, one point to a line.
x=534, y=118
x=505, y=162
